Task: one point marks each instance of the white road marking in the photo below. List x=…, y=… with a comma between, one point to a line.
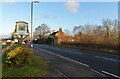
x=65, y=57
x=61, y=73
x=73, y=52
x=97, y=72
x=107, y=58
x=110, y=74
x=71, y=60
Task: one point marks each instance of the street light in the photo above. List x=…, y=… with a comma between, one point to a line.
x=32, y=18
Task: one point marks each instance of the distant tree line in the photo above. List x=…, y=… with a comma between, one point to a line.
x=106, y=32
x=95, y=36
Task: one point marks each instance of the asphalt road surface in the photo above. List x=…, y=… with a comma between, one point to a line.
x=104, y=63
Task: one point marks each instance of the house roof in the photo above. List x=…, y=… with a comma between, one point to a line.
x=54, y=33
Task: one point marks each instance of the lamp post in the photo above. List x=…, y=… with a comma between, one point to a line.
x=32, y=18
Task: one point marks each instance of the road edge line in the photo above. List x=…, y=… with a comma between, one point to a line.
x=65, y=57
x=110, y=74
x=71, y=61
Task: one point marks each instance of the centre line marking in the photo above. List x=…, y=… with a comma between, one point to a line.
x=73, y=52
x=64, y=57
x=69, y=60
x=107, y=58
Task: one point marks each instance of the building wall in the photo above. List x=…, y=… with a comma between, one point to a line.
x=60, y=37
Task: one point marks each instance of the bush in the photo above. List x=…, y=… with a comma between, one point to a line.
x=50, y=40
x=40, y=41
x=18, y=57
x=8, y=42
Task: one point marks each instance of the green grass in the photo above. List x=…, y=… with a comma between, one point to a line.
x=99, y=50
x=3, y=46
x=36, y=67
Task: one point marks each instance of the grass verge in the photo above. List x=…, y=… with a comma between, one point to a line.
x=36, y=68
x=108, y=51
x=3, y=46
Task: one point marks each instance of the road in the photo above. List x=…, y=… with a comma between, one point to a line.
x=100, y=62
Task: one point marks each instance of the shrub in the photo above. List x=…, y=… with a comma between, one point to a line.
x=40, y=41
x=18, y=57
x=50, y=40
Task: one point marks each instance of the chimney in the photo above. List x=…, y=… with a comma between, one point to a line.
x=53, y=31
x=60, y=29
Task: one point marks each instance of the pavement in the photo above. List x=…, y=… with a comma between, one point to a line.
x=80, y=63
x=65, y=68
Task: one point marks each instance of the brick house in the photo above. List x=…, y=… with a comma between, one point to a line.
x=60, y=37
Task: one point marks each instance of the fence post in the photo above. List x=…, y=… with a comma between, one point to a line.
x=0, y=61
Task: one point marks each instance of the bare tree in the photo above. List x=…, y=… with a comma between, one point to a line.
x=114, y=31
x=97, y=30
x=77, y=29
x=107, y=23
x=67, y=32
x=42, y=31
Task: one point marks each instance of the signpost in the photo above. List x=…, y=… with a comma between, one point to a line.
x=21, y=31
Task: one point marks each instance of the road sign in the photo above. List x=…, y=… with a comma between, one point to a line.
x=21, y=28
